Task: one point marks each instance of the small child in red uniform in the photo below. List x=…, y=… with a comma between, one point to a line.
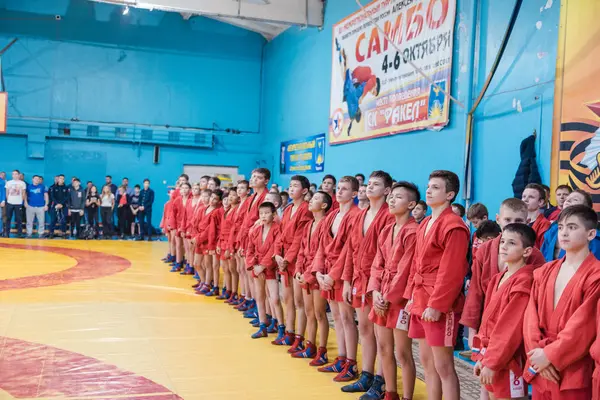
x=501, y=355
x=314, y=304
x=209, y=239
x=259, y=259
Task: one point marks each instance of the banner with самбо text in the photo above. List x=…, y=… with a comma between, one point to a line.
x=374, y=90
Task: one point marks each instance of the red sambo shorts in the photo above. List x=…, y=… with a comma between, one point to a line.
x=506, y=384
x=361, y=300
x=441, y=333
x=396, y=317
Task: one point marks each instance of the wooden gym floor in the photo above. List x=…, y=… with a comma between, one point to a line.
x=106, y=320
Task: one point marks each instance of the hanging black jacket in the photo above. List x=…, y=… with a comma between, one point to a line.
x=528, y=170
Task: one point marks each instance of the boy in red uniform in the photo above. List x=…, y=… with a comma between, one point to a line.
x=328, y=186
x=534, y=196
x=224, y=249
x=477, y=214
x=337, y=228
x=198, y=225
x=558, y=329
x=363, y=200
x=210, y=239
x=501, y=356
x=238, y=275
x=487, y=264
x=314, y=304
x=360, y=251
x=258, y=182
x=259, y=259
x=295, y=219
x=436, y=283
x=420, y=211
x=200, y=243
x=164, y=224
x=179, y=224
x=389, y=278
x=595, y=353
x=190, y=214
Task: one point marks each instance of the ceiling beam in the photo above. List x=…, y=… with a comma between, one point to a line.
x=286, y=12
x=268, y=30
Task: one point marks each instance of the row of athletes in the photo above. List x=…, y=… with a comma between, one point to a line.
x=536, y=321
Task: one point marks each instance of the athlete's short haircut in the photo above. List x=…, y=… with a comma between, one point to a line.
x=586, y=215
x=326, y=199
x=422, y=204
x=329, y=176
x=539, y=188
x=477, y=210
x=384, y=176
x=451, y=180
x=216, y=180
x=304, y=182
x=410, y=188
x=352, y=181
x=268, y=205
x=264, y=172
x=587, y=198
x=488, y=230
x=525, y=232
x=218, y=193
x=514, y=204
x=461, y=209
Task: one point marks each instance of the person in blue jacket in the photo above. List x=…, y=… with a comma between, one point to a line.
x=550, y=248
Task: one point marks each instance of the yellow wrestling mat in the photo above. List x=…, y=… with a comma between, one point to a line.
x=106, y=320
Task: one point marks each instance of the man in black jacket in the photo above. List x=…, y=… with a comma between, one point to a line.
x=76, y=206
x=59, y=199
x=145, y=216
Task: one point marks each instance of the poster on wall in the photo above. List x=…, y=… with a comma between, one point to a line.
x=303, y=156
x=374, y=89
x=576, y=131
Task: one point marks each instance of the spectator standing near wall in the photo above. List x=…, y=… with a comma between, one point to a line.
x=15, y=197
x=91, y=206
x=125, y=184
x=59, y=198
x=107, y=204
x=123, y=211
x=36, y=205
x=76, y=206
x=146, y=201
x=112, y=186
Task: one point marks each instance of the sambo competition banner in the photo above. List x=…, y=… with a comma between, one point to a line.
x=303, y=156
x=374, y=90
x=576, y=132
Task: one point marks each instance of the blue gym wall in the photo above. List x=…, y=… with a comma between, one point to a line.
x=144, y=68
x=155, y=68
x=297, y=71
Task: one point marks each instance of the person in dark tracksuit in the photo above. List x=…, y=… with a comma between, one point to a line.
x=59, y=199
x=76, y=207
x=145, y=213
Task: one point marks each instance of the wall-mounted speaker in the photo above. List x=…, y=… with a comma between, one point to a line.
x=156, y=155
